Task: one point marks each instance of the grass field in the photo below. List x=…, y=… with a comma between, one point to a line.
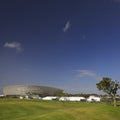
x=14, y=109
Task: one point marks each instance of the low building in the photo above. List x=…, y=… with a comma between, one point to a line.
x=93, y=99
x=50, y=98
x=72, y=99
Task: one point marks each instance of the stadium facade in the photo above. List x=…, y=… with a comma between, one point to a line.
x=23, y=90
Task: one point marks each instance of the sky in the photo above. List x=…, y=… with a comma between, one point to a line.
x=69, y=44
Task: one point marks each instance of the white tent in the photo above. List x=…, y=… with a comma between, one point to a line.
x=76, y=98
x=1, y=95
x=64, y=99
x=72, y=99
x=49, y=98
x=93, y=98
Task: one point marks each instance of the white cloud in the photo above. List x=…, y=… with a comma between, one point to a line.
x=116, y=1
x=14, y=45
x=67, y=26
x=88, y=73
x=112, y=1
x=83, y=37
x=26, y=69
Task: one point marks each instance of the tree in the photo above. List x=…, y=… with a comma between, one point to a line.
x=110, y=87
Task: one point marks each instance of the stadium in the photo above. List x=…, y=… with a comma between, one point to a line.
x=23, y=90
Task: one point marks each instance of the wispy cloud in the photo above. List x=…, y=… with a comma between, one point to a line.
x=88, y=73
x=67, y=26
x=14, y=45
x=83, y=37
x=112, y=1
x=26, y=69
x=118, y=1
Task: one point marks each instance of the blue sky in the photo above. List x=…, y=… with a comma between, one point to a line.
x=70, y=44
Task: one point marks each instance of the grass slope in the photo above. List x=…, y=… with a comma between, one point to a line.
x=12, y=109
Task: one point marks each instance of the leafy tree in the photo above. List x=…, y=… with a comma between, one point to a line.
x=110, y=87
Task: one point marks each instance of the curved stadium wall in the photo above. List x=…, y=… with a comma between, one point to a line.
x=22, y=90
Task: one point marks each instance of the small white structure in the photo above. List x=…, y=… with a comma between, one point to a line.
x=2, y=96
x=21, y=97
x=93, y=99
x=36, y=97
x=72, y=99
x=49, y=98
x=76, y=98
x=26, y=97
x=64, y=99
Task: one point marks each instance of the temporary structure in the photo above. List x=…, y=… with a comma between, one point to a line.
x=93, y=98
x=72, y=99
x=49, y=98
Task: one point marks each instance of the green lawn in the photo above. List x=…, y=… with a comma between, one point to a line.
x=13, y=109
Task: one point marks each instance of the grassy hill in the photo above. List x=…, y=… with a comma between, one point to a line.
x=14, y=109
